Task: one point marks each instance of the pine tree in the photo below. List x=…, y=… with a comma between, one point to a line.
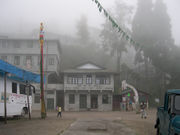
x=82, y=30
x=151, y=28
x=111, y=40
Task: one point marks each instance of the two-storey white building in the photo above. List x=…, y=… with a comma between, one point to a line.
x=88, y=87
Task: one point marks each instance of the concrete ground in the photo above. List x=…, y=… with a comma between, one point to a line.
x=82, y=123
x=98, y=127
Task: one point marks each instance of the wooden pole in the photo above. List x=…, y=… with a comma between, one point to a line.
x=43, y=109
x=5, y=105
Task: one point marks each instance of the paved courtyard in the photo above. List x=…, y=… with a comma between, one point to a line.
x=98, y=127
x=82, y=123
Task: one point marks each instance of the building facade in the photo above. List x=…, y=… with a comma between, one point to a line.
x=25, y=53
x=88, y=87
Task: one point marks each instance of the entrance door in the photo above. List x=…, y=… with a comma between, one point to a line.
x=94, y=101
x=60, y=99
x=83, y=101
x=50, y=104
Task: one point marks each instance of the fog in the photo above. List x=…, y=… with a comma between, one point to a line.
x=60, y=16
x=88, y=53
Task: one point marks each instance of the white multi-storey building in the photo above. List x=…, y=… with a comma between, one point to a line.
x=25, y=53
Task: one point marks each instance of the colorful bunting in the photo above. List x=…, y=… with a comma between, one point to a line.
x=115, y=25
x=105, y=13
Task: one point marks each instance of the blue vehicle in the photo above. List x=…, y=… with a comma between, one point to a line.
x=168, y=116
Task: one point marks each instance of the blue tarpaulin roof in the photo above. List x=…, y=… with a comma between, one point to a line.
x=18, y=73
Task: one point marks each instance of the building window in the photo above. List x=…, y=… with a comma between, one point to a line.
x=1, y=43
x=37, y=98
x=4, y=43
x=4, y=58
x=14, y=87
x=71, y=98
x=74, y=79
x=102, y=80
x=16, y=60
x=51, y=61
x=38, y=62
x=80, y=80
x=107, y=80
x=22, y=89
x=50, y=92
x=105, y=99
x=89, y=79
x=28, y=61
x=30, y=44
x=16, y=44
x=69, y=80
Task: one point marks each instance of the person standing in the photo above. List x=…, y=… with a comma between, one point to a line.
x=143, y=111
x=59, y=111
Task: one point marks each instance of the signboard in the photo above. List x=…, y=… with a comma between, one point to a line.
x=2, y=97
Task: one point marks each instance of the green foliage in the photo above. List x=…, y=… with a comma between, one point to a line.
x=151, y=28
x=111, y=39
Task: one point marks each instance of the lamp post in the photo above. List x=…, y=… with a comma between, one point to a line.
x=27, y=92
x=41, y=39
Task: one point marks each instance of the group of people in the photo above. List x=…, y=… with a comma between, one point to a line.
x=130, y=106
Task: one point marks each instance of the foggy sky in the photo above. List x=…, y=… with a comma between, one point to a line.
x=61, y=16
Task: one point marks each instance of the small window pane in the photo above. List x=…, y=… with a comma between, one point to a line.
x=4, y=58
x=38, y=62
x=88, y=79
x=101, y=79
x=51, y=61
x=14, y=87
x=37, y=98
x=16, y=44
x=16, y=60
x=29, y=61
x=69, y=80
x=4, y=43
x=30, y=44
x=74, y=79
x=105, y=99
x=50, y=92
x=22, y=89
x=80, y=80
x=71, y=99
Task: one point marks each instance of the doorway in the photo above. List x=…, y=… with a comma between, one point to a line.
x=94, y=101
x=60, y=99
x=83, y=101
x=50, y=104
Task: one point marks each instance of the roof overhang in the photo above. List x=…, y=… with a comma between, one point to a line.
x=18, y=74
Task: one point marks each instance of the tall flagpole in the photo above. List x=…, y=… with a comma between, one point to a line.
x=41, y=39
